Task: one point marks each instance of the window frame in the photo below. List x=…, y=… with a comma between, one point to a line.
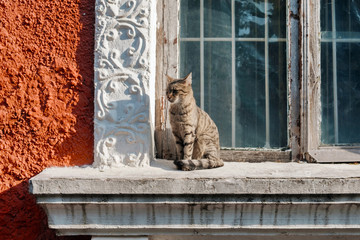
x=311, y=94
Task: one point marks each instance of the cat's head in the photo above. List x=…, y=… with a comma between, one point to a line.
x=179, y=89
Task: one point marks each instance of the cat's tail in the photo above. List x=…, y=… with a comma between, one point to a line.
x=197, y=164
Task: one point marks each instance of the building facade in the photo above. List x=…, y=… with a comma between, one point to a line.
x=238, y=50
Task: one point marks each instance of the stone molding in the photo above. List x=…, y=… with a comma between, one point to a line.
x=202, y=215
x=267, y=199
x=123, y=83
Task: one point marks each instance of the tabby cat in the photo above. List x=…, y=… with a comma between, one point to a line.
x=196, y=135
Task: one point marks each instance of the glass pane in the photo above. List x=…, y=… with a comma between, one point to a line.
x=217, y=90
x=348, y=72
x=277, y=16
x=250, y=94
x=249, y=18
x=327, y=96
x=190, y=18
x=278, y=93
x=217, y=15
x=190, y=62
x=347, y=18
x=325, y=18
x=340, y=68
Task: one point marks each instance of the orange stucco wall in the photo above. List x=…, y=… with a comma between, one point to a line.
x=46, y=102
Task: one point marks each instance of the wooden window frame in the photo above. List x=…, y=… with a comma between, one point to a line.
x=311, y=90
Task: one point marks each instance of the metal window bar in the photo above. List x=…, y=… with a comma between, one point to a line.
x=336, y=119
x=202, y=64
x=267, y=98
x=208, y=39
x=341, y=40
x=233, y=76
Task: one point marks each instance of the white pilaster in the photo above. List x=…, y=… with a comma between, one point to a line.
x=124, y=77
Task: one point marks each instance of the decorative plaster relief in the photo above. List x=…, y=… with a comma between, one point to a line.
x=123, y=131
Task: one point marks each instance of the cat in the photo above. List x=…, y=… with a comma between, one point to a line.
x=195, y=133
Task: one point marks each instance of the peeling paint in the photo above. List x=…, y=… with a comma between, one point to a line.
x=294, y=83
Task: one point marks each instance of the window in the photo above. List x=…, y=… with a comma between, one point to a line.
x=332, y=57
x=264, y=69
x=236, y=50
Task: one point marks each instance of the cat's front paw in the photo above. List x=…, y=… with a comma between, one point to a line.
x=184, y=165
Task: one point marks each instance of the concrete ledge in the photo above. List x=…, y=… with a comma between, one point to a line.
x=233, y=178
x=240, y=199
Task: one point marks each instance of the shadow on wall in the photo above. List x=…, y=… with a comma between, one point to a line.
x=46, y=103
x=17, y=207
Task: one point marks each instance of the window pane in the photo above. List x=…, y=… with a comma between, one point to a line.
x=325, y=18
x=348, y=73
x=340, y=71
x=190, y=18
x=327, y=97
x=189, y=62
x=278, y=94
x=250, y=93
x=217, y=15
x=277, y=16
x=240, y=69
x=250, y=18
x=347, y=18
x=217, y=82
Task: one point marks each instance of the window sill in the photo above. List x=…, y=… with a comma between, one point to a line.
x=236, y=199
x=234, y=178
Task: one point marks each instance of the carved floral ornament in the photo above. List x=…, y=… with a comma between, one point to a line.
x=122, y=75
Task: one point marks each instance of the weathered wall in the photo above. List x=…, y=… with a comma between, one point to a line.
x=46, y=102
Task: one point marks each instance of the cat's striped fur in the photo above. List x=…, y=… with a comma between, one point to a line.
x=196, y=135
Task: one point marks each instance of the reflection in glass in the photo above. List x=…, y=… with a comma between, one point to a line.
x=250, y=93
x=277, y=16
x=250, y=18
x=217, y=15
x=190, y=18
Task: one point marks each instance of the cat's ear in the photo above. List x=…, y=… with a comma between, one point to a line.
x=188, y=79
x=169, y=79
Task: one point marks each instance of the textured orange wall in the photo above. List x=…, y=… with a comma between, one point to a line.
x=46, y=102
